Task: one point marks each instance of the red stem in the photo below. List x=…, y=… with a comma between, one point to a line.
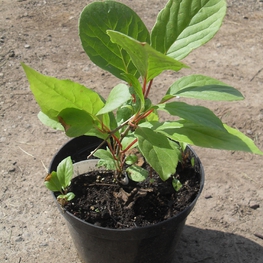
x=149, y=87
x=129, y=146
x=144, y=86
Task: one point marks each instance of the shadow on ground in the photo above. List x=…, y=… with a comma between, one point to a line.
x=210, y=246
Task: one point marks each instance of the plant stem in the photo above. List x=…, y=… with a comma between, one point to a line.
x=91, y=153
x=149, y=87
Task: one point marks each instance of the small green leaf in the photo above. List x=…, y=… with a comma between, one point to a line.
x=196, y=114
x=184, y=25
x=69, y=196
x=193, y=161
x=127, y=141
x=137, y=173
x=52, y=182
x=103, y=154
x=202, y=87
x=131, y=159
x=149, y=62
x=118, y=95
x=106, y=159
x=65, y=172
x=161, y=153
x=176, y=184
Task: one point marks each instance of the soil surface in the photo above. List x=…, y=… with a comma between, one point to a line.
x=105, y=203
x=226, y=225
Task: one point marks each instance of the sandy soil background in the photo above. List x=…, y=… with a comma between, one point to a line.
x=227, y=222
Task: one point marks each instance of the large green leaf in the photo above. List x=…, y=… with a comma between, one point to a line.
x=191, y=133
x=95, y=20
x=149, y=62
x=184, y=25
x=54, y=95
x=159, y=151
x=202, y=87
x=118, y=95
x=196, y=114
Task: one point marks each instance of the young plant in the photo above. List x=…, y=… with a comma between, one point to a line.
x=60, y=180
x=116, y=39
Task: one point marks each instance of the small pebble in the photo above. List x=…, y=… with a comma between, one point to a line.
x=208, y=196
x=20, y=239
x=249, y=132
x=11, y=53
x=12, y=170
x=254, y=205
x=27, y=46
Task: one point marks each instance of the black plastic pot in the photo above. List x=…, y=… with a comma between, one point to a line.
x=155, y=244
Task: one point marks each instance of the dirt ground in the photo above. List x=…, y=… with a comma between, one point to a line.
x=227, y=222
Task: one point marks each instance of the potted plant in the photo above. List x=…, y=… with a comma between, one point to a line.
x=144, y=157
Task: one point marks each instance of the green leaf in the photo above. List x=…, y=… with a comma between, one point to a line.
x=124, y=113
x=136, y=85
x=95, y=20
x=149, y=62
x=65, y=172
x=69, y=196
x=153, y=116
x=52, y=182
x=159, y=151
x=196, y=114
x=191, y=133
x=184, y=25
x=54, y=95
x=137, y=173
x=49, y=122
x=176, y=184
x=106, y=159
x=75, y=122
x=117, y=97
x=202, y=87
x=131, y=159
x=127, y=141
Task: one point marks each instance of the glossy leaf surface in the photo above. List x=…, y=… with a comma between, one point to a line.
x=191, y=133
x=95, y=20
x=196, y=114
x=184, y=25
x=149, y=62
x=118, y=95
x=202, y=87
x=158, y=150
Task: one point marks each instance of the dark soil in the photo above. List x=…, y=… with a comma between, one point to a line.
x=101, y=201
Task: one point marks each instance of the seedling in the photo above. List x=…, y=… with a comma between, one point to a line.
x=60, y=180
